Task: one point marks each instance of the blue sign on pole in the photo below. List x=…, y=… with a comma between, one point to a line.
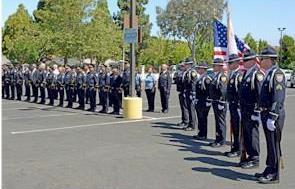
x=130, y=35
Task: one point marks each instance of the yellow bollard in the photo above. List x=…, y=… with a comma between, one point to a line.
x=132, y=108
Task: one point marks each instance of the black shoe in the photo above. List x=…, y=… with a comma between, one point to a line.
x=102, y=111
x=269, y=179
x=165, y=111
x=188, y=129
x=60, y=105
x=115, y=113
x=28, y=100
x=250, y=165
x=78, y=108
x=232, y=154
x=41, y=102
x=197, y=137
x=12, y=98
x=69, y=106
x=216, y=144
x=258, y=175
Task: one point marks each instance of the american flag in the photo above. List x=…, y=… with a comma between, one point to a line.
x=220, y=41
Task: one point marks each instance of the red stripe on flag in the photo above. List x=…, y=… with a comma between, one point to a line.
x=219, y=53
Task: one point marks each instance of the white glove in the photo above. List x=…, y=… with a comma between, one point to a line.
x=195, y=101
x=271, y=125
x=255, y=118
x=220, y=107
x=208, y=104
x=239, y=112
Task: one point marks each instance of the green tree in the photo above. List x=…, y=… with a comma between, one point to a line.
x=19, y=41
x=190, y=20
x=251, y=42
x=261, y=45
x=288, y=52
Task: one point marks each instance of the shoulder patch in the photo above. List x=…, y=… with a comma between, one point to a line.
x=240, y=78
x=259, y=76
x=279, y=77
x=194, y=74
x=223, y=78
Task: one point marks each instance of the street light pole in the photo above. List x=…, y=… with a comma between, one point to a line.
x=132, y=50
x=281, y=42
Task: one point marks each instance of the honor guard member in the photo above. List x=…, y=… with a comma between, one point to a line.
x=104, y=83
x=34, y=80
x=19, y=81
x=189, y=78
x=235, y=77
x=75, y=91
x=217, y=93
x=164, y=85
x=42, y=82
x=86, y=70
x=3, y=80
x=69, y=86
x=250, y=114
x=181, y=96
x=60, y=83
x=201, y=100
x=92, y=84
x=12, y=75
x=116, y=91
x=138, y=84
x=7, y=81
x=81, y=85
x=126, y=79
x=27, y=79
x=272, y=105
x=51, y=84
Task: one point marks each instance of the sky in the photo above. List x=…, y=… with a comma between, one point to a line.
x=261, y=18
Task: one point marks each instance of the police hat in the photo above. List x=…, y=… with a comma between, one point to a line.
x=268, y=52
x=188, y=61
x=203, y=65
x=218, y=61
x=91, y=65
x=233, y=58
x=249, y=55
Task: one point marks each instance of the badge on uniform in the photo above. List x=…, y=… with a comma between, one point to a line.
x=248, y=80
x=279, y=77
x=240, y=78
x=259, y=77
x=223, y=79
x=232, y=81
x=194, y=74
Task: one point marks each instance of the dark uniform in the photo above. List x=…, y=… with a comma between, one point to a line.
x=92, y=85
x=51, y=87
x=12, y=75
x=138, y=84
x=126, y=81
x=19, y=80
x=42, y=84
x=81, y=85
x=69, y=86
x=27, y=79
x=217, y=93
x=6, y=83
x=272, y=99
x=181, y=97
x=35, y=84
x=249, y=98
x=116, y=92
x=235, y=78
x=104, y=84
x=202, y=103
x=60, y=83
x=164, y=85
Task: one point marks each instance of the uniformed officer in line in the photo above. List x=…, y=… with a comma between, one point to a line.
x=138, y=83
x=181, y=95
x=75, y=91
x=19, y=80
x=80, y=87
x=164, y=85
x=51, y=85
x=3, y=80
x=86, y=71
x=12, y=75
x=126, y=79
x=34, y=82
x=201, y=100
x=7, y=81
x=272, y=105
x=234, y=78
x=60, y=84
x=250, y=114
x=104, y=84
x=217, y=93
x=92, y=85
x=116, y=91
x=27, y=80
x=69, y=86
x=42, y=82
x=189, y=78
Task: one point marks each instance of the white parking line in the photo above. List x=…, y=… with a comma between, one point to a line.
x=30, y=117
x=90, y=125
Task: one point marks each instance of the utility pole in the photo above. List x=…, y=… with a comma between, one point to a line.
x=132, y=50
x=281, y=42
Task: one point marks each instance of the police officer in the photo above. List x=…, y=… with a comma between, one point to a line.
x=12, y=75
x=235, y=78
x=104, y=83
x=19, y=80
x=189, y=78
x=51, y=84
x=3, y=80
x=69, y=86
x=42, y=81
x=249, y=98
x=116, y=91
x=27, y=79
x=181, y=96
x=164, y=85
x=7, y=82
x=138, y=83
x=60, y=83
x=217, y=92
x=34, y=80
x=81, y=85
x=126, y=79
x=92, y=84
x=202, y=101
x=272, y=105
x=86, y=70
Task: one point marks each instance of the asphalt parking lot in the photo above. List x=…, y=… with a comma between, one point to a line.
x=57, y=148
